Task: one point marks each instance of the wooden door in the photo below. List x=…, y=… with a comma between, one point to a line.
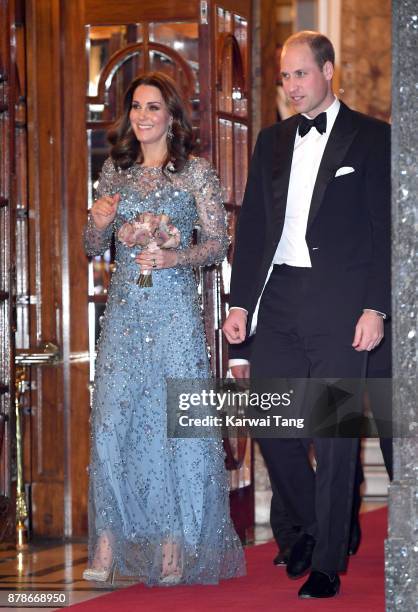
x=81, y=56
x=232, y=147
x=13, y=272
x=7, y=171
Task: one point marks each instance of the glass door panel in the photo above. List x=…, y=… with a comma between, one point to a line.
x=223, y=20
x=102, y=42
x=225, y=159
x=241, y=35
x=182, y=37
x=240, y=160
x=164, y=63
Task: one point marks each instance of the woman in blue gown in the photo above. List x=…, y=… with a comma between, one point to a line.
x=158, y=506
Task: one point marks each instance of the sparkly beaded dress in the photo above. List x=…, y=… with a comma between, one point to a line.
x=161, y=504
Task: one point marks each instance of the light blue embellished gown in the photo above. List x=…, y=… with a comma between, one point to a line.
x=161, y=505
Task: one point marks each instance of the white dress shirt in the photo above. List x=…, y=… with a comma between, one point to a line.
x=307, y=155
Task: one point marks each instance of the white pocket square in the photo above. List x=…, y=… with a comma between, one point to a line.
x=344, y=170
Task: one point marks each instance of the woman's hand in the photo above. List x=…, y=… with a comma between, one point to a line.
x=157, y=259
x=104, y=211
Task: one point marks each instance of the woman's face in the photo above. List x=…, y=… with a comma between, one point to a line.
x=149, y=115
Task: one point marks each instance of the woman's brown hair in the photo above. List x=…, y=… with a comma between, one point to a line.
x=126, y=149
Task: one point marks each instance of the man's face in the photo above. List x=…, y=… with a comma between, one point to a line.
x=306, y=85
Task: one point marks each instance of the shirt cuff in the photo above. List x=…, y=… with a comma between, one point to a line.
x=238, y=308
x=237, y=362
x=382, y=314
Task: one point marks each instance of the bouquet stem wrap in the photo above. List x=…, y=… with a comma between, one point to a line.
x=151, y=232
x=145, y=278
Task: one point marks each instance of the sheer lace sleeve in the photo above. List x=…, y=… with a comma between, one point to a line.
x=214, y=240
x=97, y=241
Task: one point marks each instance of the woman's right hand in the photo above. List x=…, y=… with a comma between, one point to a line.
x=104, y=211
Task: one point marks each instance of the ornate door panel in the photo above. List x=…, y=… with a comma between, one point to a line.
x=40, y=269
x=14, y=321
x=8, y=91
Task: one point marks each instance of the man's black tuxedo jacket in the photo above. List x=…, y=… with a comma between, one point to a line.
x=348, y=232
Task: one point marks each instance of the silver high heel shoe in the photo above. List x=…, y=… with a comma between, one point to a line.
x=171, y=579
x=100, y=575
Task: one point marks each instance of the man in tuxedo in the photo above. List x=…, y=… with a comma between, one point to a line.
x=312, y=256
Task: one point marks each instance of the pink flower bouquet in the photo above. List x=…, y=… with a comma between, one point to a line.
x=149, y=231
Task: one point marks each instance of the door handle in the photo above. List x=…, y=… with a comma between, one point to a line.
x=47, y=354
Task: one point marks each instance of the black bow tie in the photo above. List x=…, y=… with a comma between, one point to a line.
x=320, y=122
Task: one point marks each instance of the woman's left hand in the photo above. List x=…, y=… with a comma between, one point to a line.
x=157, y=259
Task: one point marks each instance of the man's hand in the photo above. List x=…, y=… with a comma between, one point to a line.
x=104, y=211
x=235, y=326
x=369, y=331
x=240, y=371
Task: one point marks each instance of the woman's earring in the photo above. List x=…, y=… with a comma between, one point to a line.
x=170, y=132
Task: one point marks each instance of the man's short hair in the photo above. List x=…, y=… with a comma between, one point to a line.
x=320, y=45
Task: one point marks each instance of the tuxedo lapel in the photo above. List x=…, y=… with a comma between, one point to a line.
x=282, y=163
x=339, y=141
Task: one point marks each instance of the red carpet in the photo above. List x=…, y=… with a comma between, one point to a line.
x=266, y=588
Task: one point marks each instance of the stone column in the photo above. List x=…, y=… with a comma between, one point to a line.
x=402, y=543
